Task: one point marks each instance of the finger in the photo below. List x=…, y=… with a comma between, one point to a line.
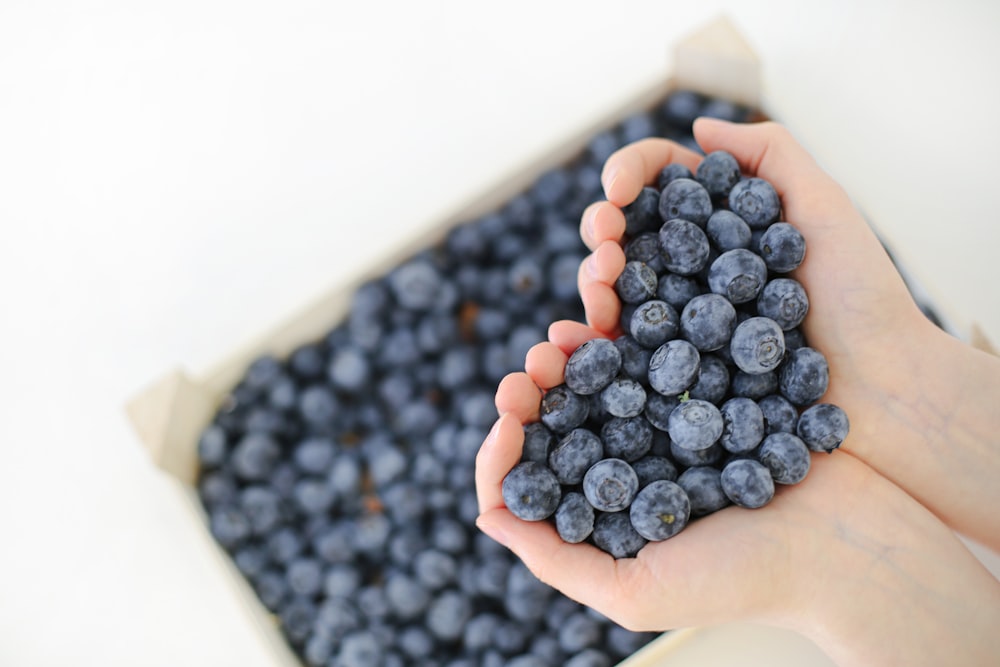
x=638, y=164
x=499, y=453
x=568, y=335
x=518, y=395
x=545, y=364
x=602, y=307
x=604, y=265
x=601, y=221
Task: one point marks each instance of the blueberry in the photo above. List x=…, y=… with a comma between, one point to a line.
x=562, y=275
x=590, y=657
x=261, y=506
x=643, y=214
x=713, y=380
x=416, y=285
x=739, y=275
x=614, y=534
x=272, y=589
x=406, y=596
x=637, y=283
x=782, y=247
x=359, y=649
x=305, y=577
x=562, y=409
x=743, y=425
x=758, y=345
x=297, y=617
x=718, y=173
x=673, y=367
x=525, y=660
x=786, y=457
x=478, y=632
x=341, y=581
x=686, y=199
x=592, y=366
x=653, y=323
x=574, y=518
x=784, y=301
x=229, y=526
x=658, y=409
x=707, y=321
x=804, y=376
x=677, y=290
x=610, y=485
x=780, y=416
x=526, y=277
x=794, y=339
x=727, y=231
x=448, y=614
x=314, y=455
x=251, y=560
x=624, y=397
x=703, y=485
x=414, y=642
x=638, y=126
x=650, y=468
x=635, y=357
x=538, y=442
x=308, y=362
x=756, y=201
x=627, y=438
x=572, y=457
x=386, y=461
x=263, y=372
x=449, y=535
x=349, y=369
x=213, y=446
x=823, y=427
x=660, y=510
x=371, y=533
x=318, y=406
x=695, y=424
x=683, y=246
x=318, y=649
x=747, y=483
x=682, y=106
x=709, y=456
x=255, y=455
x=344, y=476
x=579, y=631
x=625, y=642
x=643, y=248
x=525, y=597
x=755, y=386
x=531, y=491
x=546, y=649
x=672, y=172
x=285, y=544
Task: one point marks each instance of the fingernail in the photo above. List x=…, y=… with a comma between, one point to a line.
x=588, y=221
x=591, y=264
x=608, y=179
x=491, y=437
x=492, y=531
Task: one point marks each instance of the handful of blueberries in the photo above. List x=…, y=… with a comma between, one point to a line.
x=710, y=396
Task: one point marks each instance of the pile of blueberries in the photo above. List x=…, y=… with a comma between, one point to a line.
x=341, y=479
x=709, y=398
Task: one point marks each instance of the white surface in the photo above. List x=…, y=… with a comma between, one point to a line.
x=177, y=176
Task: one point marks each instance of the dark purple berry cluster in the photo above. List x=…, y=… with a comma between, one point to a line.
x=709, y=398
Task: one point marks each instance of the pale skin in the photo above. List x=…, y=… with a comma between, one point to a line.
x=862, y=556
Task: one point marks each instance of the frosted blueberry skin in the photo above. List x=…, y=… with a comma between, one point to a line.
x=757, y=345
x=610, y=485
x=782, y=247
x=780, y=416
x=677, y=290
x=739, y=275
x=652, y=468
x=531, y=491
x=695, y=425
x=658, y=409
x=707, y=321
x=756, y=201
x=643, y=248
x=660, y=510
x=624, y=397
x=538, y=442
x=572, y=457
x=743, y=425
x=804, y=376
x=686, y=199
x=636, y=283
x=563, y=410
x=673, y=367
x=671, y=173
x=727, y=231
x=635, y=357
x=755, y=386
x=628, y=439
x=712, y=383
x=703, y=486
x=653, y=323
x=683, y=246
x=574, y=518
x=592, y=366
x=614, y=534
x=783, y=300
x=643, y=214
x=710, y=456
x=718, y=173
x=823, y=427
x=747, y=483
x=786, y=457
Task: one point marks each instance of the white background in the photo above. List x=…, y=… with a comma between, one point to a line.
x=176, y=177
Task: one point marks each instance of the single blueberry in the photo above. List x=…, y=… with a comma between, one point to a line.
x=627, y=438
x=638, y=126
x=653, y=323
x=213, y=446
x=756, y=201
x=683, y=246
x=651, y=468
x=635, y=357
x=703, y=485
x=677, y=290
x=572, y=457
x=318, y=406
x=755, y=386
x=727, y=231
x=743, y=425
x=610, y=485
x=416, y=285
x=794, y=339
x=643, y=214
x=592, y=366
x=636, y=283
x=747, y=483
x=406, y=596
x=823, y=427
x=786, y=457
x=718, y=172
x=681, y=108
x=643, y=248
x=314, y=455
x=562, y=409
x=579, y=631
x=673, y=367
x=658, y=409
x=707, y=321
x=758, y=345
x=305, y=577
x=804, y=376
x=783, y=300
x=739, y=275
x=538, y=442
x=478, y=632
x=229, y=526
x=672, y=172
x=624, y=397
x=590, y=657
x=262, y=507
x=660, y=510
x=782, y=247
x=574, y=518
x=614, y=534
x=712, y=383
x=254, y=456
x=526, y=596
x=686, y=199
x=531, y=491
x=359, y=649
x=349, y=369
x=780, y=416
x=695, y=424
x=448, y=614
x=341, y=580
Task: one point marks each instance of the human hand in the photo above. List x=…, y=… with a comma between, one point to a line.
x=918, y=400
